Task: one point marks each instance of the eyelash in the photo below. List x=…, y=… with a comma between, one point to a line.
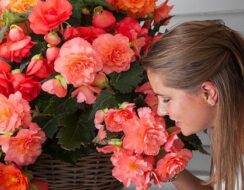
x=164, y=100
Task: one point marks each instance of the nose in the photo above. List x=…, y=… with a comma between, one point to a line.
x=161, y=110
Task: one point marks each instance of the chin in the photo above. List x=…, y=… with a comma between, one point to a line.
x=186, y=133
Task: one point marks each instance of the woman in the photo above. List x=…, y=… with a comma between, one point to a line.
x=197, y=71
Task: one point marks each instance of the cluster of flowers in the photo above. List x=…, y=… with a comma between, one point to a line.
x=143, y=149
x=20, y=139
x=42, y=53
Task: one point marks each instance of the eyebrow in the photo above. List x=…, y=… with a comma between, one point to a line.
x=159, y=94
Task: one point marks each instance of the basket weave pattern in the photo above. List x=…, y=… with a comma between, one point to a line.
x=92, y=172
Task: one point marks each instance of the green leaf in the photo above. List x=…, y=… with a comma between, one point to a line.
x=51, y=127
x=73, y=133
x=77, y=5
x=67, y=106
x=101, y=2
x=106, y=99
x=3, y=30
x=126, y=81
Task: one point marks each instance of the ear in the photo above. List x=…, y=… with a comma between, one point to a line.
x=210, y=93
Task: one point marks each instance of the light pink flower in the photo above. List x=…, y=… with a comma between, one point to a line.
x=86, y=94
x=25, y=147
x=130, y=168
x=172, y=164
x=78, y=62
x=144, y=134
x=55, y=86
x=14, y=112
x=115, y=52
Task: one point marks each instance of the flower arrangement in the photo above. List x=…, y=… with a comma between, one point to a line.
x=63, y=60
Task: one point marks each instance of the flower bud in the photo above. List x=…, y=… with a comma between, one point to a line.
x=52, y=38
x=52, y=53
x=100, y=80
x=16, y=33
x=103, y=19
x=115, y=142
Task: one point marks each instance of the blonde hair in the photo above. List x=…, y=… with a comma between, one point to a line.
x=199, y=51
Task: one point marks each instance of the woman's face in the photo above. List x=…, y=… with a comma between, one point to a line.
x=191, y=111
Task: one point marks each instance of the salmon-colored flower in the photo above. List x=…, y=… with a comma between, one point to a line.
x=136, y=8
x=14, y=112
x=172, y=164
x=115, y=118
x=16, y=50
x=144, y=134
x=129, y=168
x=21, y=6
x=29, y=87
x=25, y=147
x=49, y=14
x=78, y=62
x=55, y=86
x=86, y=94
x=90, y=33
x=11, y=178
x=39, y=68
x=115, y=52
x=130, y=26
x=174, y=143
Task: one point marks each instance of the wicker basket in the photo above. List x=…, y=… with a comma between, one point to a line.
x=92, y=172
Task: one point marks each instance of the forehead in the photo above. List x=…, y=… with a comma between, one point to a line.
x=156, y=80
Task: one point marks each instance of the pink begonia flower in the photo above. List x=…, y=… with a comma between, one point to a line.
x=172, y=164
x=131, y=28
x=144, y=134
x=39, y=68
x=90, y=33
x=14, y=112
x=16, y=50
x=86, y=94
x=55, y=86
x=25, y=147
x=129, y=168
x=78, y=62
x=174, y=143
x=48, y=15
x=145, y=88
x=115, y=52
x=28, y=86
x=114, y=118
